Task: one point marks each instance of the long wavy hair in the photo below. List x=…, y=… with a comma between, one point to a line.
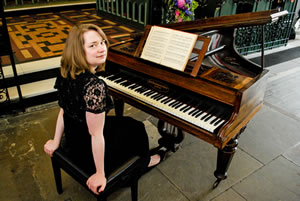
x=73, y=60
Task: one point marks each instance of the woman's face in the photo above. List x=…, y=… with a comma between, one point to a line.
x=95, y=48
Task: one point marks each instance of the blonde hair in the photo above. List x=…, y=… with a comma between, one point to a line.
x=73, y=60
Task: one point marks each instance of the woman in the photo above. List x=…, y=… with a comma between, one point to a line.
x=99, y=141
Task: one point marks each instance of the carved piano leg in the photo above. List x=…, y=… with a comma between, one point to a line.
x=119, y=107
x=171, y=136
x=223, y=161
x=224, y=158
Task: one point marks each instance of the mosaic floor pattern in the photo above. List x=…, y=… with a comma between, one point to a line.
x=41, y=36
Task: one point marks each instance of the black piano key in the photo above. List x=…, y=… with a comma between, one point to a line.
x=204, y=108
x=216, y=119
x=167, y=100
x=125, y=84
x=194, y=111
x=224, y=116
x=115, y=76
x=137, y=88
x=170, y=101
x=114, y=79
x=134, y=86
x=171, y=96
x=183, y=101
x=119, y=80
x=211, y=114
x=140, y=89
x=217, y=122
x=144, y=90
x=150, y=93
x=198, y=109
x=161, y=96
x=188, y=105
x=174, y=101
x=198, y=113
x=129, y=81
x=208, y=111
x=155, y=96
x=178, y=104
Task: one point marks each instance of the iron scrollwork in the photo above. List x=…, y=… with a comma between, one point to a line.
x=4, y=97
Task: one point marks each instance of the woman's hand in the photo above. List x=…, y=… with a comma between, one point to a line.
x=96, y=181
x=50, y=147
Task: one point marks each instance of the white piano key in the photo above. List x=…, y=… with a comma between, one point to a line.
x=165, y=107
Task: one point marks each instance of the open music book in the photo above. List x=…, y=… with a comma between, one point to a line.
x=169, y=47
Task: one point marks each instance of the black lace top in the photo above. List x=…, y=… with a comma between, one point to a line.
x=86, y=93
x=124, y=136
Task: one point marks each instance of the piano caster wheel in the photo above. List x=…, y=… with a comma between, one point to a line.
x=217, y=182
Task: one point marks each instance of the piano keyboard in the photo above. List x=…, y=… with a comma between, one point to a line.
x=200, y=112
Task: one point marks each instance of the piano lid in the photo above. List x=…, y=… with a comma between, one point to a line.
x=229, y=22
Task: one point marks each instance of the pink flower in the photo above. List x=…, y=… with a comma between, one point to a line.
x=181, y=4
x=177, y=13
x=179, y=19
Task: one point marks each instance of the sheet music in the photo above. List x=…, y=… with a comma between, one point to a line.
x=169, y=47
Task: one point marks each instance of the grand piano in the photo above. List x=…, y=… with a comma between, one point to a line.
x=215, y=104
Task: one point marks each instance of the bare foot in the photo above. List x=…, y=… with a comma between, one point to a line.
x=154, y=160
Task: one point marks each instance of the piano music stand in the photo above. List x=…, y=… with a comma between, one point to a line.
x=192, y=68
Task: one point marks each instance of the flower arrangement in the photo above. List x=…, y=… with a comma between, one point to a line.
x=181, y=10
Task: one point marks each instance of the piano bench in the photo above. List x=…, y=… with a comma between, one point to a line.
x=128, y=173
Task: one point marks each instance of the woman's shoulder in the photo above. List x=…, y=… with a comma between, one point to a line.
x=90, y=81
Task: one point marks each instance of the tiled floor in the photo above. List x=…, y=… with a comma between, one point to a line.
x=42, y=35
x=266, y=166
x=38, y=41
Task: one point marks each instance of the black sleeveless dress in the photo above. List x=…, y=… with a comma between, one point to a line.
x=124, y=136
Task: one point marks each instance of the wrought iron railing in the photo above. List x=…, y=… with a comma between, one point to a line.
x=134, y=12
x=248, y=39
x=4, y=96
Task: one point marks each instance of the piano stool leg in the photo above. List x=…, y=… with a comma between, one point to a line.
x=134, y=189
x=57, y=176
x=119, y=107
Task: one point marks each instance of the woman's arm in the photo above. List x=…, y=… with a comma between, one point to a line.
x=95, y=124
x=52, y=145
